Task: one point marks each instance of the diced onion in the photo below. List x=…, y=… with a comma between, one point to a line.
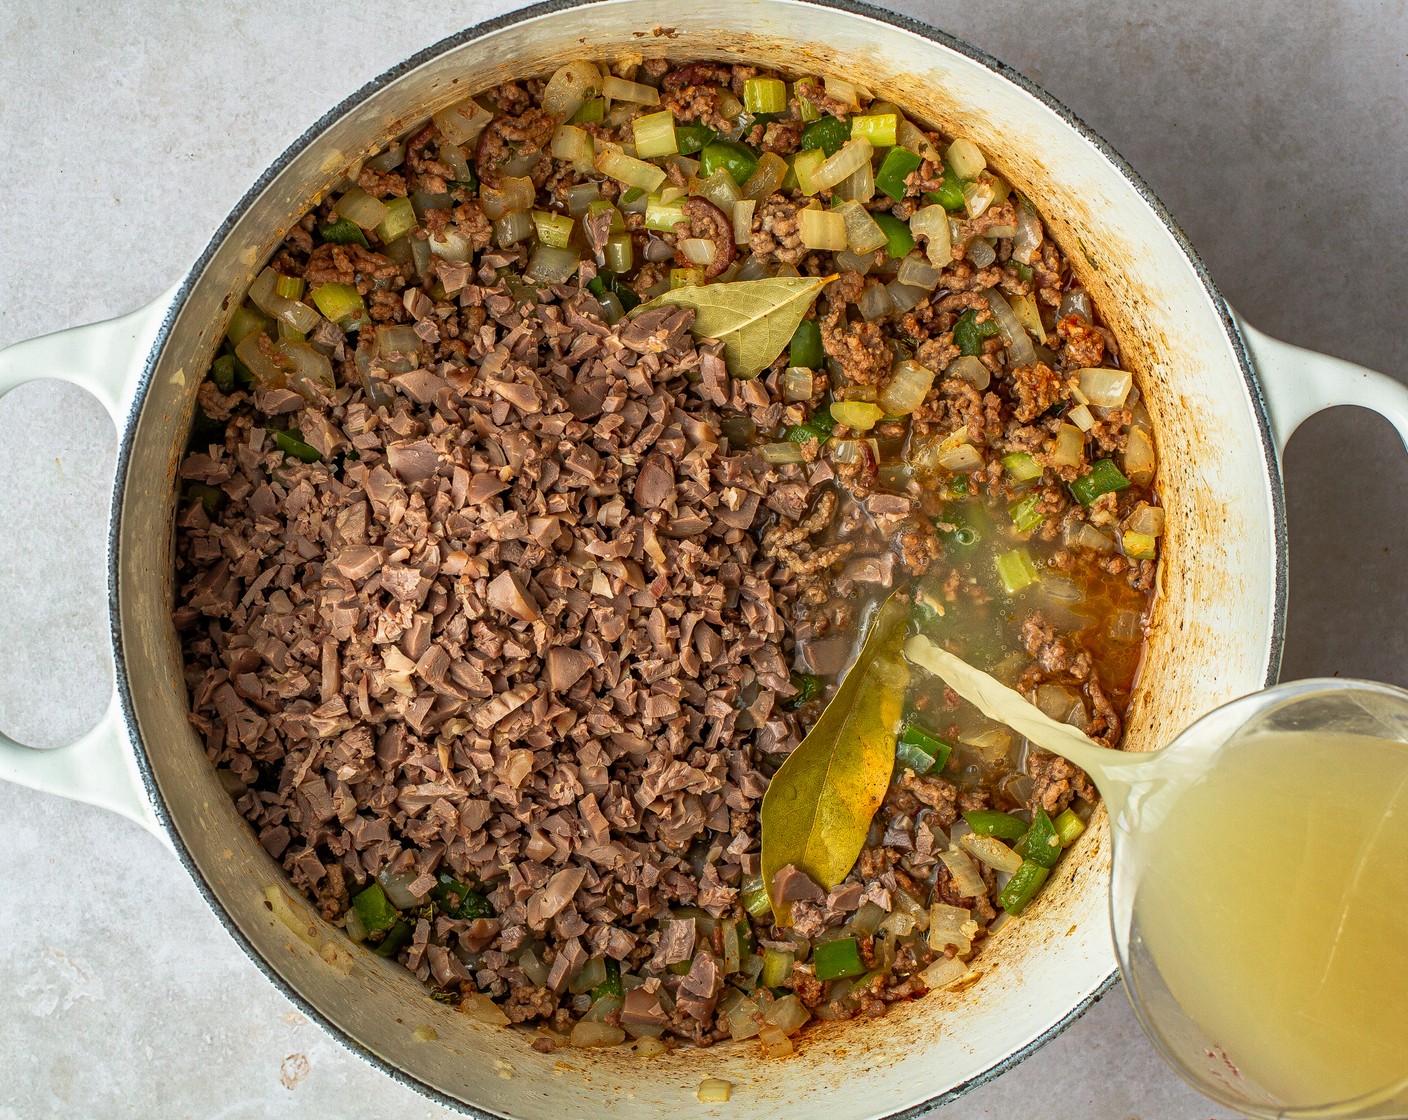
x=629, y=170
x=698, y=250
x=714, y=1090
x=1055, y=701
x=1075, y=302
x=312, y=372
x=841, y=90
x=931, y=223
x=452, y=155
x=767, y=176
x=551, y=265
x=512, y=194
x=1104, y=388
x=743, y=211
x=798, y=384
x=569, y=86
x=1027, y=240
x=744, y=1019
x=863, y=233
x=822, y=229
x=390, y=159
x=962, y=459
x=853, y=450
x=618, y=89
x=596, y=1034
x=1085, y=535
x=977, y=197
x=268, y=373
x=951, y=926
x=1024, y=307
x=905, y=297
x=972, y=370
x=847, y=261
x=1019, y=346
x=1147, y=521
x=875, y=302
x=294, y=312
x=1139, y=461
x=580, y=196
x=360, y=207
x=1069, y=448
x=720, y=189
x=753, y=269
x=482, y=1009
x=981, y=253
x=859, y=185
x=909, y=384
x=459, y=124
x=918, y=273
x=965, y=158
x=943, y=972
x=576, y=146
x=512, y=228
x=850, y=156
x=449, y=245
x=911, y=136
x=396, y=887
x=1081, y=417
x=966, y=880
x=787, y=1014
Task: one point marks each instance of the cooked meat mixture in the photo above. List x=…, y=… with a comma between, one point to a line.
x=503, y=596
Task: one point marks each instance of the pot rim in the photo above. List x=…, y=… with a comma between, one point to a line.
x=374, y=86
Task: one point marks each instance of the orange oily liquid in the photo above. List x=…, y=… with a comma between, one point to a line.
x=1272, y=892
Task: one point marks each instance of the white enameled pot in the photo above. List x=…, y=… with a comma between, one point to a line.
x=1224, y=400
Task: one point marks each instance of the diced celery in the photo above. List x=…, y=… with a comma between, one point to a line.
x=1016, y=570
x=764, y=95
x=879, y=128
x=1021, y=466
x=1069, y=827
x=655, y=135
x=1024, y=513
x=1139, y=546
x=245, y=321
x=619, y=252
x=339, y=303
x=400, y=220
x=663, y=216
x=804, y=166
x=554, y=230
x=686, y=277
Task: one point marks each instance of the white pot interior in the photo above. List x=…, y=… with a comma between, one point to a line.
x=1215, y=620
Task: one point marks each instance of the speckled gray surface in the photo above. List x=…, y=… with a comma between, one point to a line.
x=1276, y=132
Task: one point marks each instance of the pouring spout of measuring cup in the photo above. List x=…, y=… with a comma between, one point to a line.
x=1113, y=772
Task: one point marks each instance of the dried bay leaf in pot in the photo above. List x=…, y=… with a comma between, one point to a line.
x=819, y=804
x=754, y=319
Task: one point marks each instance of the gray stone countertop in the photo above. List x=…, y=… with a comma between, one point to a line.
x=1277, y=133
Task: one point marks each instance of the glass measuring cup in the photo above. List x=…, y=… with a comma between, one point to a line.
x=1272, y=974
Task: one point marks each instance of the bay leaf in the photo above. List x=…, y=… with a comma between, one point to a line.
x=1009, y=707
x=819, y=804
x=754, y=319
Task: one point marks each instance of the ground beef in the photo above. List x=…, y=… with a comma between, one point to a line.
x=776, y=231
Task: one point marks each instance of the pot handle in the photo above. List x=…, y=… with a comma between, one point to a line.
x=106, y=359
x=1298, y=383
